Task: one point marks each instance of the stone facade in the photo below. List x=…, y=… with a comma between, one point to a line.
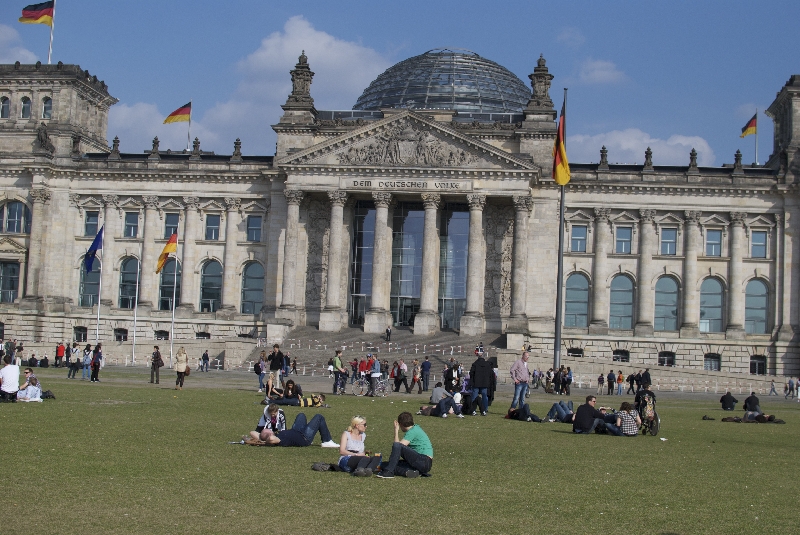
x=292, y=217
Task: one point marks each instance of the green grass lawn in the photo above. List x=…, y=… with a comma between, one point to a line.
x=124, y=456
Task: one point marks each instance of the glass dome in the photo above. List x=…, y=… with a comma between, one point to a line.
x=446, y=78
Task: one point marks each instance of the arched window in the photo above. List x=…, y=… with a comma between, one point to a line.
x=756, y=303
x=711, y=300
x=47, y=108
x=128, y=274
x=621, y=312
x=26, y=108
x=666, y=316
x=576, y=301
x=90, y=285
x=5, y=108
x=252, y=288
x=169, y=280
x=211, y=287
x=17, y=217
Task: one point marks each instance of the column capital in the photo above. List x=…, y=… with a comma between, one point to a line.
x=523, y=203
x=737, y=219
x=431, y=200
x=192, y=203
x=602, y=214
x=294, y=196
x=779, y=219
x=476, y=200
x=382, y=198
x=337, y=197
x=111, y=200
x=647, y=215
x=233, y=203
x=692, y=216
x=40, y=195
x=150, y=201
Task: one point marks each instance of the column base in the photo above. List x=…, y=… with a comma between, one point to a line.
x=331, y=320
x=184, y=310
x=643, y=329
x=517, y=324
x=515, y=341
x=690, y=331
x=376, y=321
x=289, y=314
x=734, y=332
x=277, y=330
x=426, y=323
x=599, y=327
x=471, y=325
x=226, y=312
x=786, y=333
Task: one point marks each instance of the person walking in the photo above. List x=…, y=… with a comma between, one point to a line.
x=261, y=370
x=339, y=373
x=155, y=365
x=520, y=375
x=181, y=367
x=294, y=365
x=620, y=382
x=86, y=362
x=482, y=380
x=631, y=383
x=772, y=388
x=611, y=379
x=97, y=359
x=426, y=373
x=789, y=393
x=205, y=361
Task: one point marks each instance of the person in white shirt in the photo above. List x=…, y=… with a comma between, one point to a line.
x=9, y=380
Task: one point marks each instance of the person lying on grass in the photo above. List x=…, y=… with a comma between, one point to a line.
x=411, y=456
x=561, y=412
x=273, y=420
x=446, y=405
x=302, y=433
x=523, y=414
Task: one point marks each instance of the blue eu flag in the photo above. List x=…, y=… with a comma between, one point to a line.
x=92, y=252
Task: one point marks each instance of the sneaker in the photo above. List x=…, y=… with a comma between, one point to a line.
x=419, y=412
x=474, y=413
x=444, y=416
x=260, y=391
x=412, y=473
x=329, y=444
x=460, y=415
x=385, y=474
x=483, y=413
x=529, y=419
x=321, y=467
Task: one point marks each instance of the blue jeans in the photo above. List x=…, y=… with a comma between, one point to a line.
x=519, y=394
x=613, y=429
x=309, y=429
x=404, y=459
x=484, y=393
x=598, y=422
x=426, y=376
x=444, y=406
x=559, y=411
x=619, y=388
x=261, y=380
x=205, y=366
x=85, y=372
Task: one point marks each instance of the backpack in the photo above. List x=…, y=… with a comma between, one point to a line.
x=257, y=368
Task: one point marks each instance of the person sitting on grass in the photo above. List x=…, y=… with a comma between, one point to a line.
x=32, y=392
x=561, y=412
x=353, y=457
x=523, y=414
x=9, y=380
x=291, y=395
x=446, y=405
x=752, y=404
x=302, y=433
x=728, y=402
x=273, y=420
x=411, y=456
x=628, y=422
x=587, y=418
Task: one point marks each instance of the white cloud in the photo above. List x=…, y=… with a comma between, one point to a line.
x=343, y=69
x=598, y=71
x=628, y=146
x=10, y=49
x=571, y=37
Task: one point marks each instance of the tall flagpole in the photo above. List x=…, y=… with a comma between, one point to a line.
x=100, y=287
x=174, y=288
x=560, y=273
x=52, y=25
x=189, y=131
x=136, y=302
x=756, y=136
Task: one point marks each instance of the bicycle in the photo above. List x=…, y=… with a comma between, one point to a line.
x=360, y=386
x=341, y=384
x=382, y=388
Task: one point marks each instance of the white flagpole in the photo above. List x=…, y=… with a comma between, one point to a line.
x=189, y=131
x=136, y=302
x=174, y=288
x=100, y=287
x=756, y=136
x=52, y=25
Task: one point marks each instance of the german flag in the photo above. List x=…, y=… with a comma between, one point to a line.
x=182, y=114
x=170, y=247
x=38, y=13
x=750, y=127
x=560, y=163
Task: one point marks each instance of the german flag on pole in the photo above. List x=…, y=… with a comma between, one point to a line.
x=38, y=13
x=182, y=114
x=750, y=127
x=170, y=247
x=560, y=163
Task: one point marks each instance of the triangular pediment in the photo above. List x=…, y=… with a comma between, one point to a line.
x=255, y=206
x=624, y=217
x=760, y=221
x=7, y=245
x=406, y=139
x=130, y=202
x=212, y=206
x=669, y=219
x=579, y=215
x=715, y=220
x=89, y=202
x=170, y=204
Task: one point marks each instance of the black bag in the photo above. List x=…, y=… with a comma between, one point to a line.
x=257, y=368
x=466, y=404
x=47, y=394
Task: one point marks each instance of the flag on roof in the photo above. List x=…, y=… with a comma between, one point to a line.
x=170, y=247
x=38, y=13
x=560, y=163
x=182, y=114
x=750, y=127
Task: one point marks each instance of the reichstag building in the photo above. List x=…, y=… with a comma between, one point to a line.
x=429, y=205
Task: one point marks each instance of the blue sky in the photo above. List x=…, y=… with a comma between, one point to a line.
x=671, y=75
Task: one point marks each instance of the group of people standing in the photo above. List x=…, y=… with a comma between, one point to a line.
x=616, y=381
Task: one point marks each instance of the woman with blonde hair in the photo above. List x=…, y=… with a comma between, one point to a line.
x=353, y=457
x=181, y=365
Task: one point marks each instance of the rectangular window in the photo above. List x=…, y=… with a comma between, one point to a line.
x=80, y=333
x=713, y=243
x=131, y=224
x=90, y=227
x=254, y=228
x=170, y=225
x=578, y=244
x=202, y=336
x=120, y=335
x=161, y=335
x=758, y=247
x=669, y=241
x=712, y=362
x=624, y=237
x=212, y=227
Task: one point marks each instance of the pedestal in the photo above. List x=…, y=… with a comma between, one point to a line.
x=331, y=320
x=376, y=321
x=471, y=325
x=426, y=323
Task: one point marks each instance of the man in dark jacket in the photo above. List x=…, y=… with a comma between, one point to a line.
x=481, y=379
x=752, y=404
x=728, y=402
x=646, y=377
x=587, y=418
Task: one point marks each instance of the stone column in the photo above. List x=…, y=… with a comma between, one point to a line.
x=36, y=269
x=691, y=301
x=735, y=327
x=378, y=316
x=149, y=281
x=427, y=321
x=229, y=271
x=288, y=304
x=600, y=297
x=781, y=310
x=645, y=309
x=330, y=318
x=472, y=320
x=107, y=296
x=519, y=265
x=189, y=295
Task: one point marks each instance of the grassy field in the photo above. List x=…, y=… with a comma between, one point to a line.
x=124, y=456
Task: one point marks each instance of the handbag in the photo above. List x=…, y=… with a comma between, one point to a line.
x=188, y=370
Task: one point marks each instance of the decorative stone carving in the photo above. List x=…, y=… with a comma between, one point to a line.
x=42, y=142
x=540, y=83
x=499, y=221
x=382, y=198
x=233, y=203
x=340, y=122
x=692, y=216
x=40, y=195
x=737, y=161
x=150, y=201
x=737, y=219
x=478, y=125
x=154, y=151
x=603, y=159
x=195, y=149
x=647, y=215
x=476, y=200
x=431, y=200
x=523, y=203
x=237, y=151
x=693, y=160
x=648, y=159
x=402, y=144
x=74, y=198
x=301, y=81
x=602, y=214
x=76, y=144
x=111, y=200
x=191, y=203
x=294, y=196
x=114, y=155
x=318, y=232
x=338, y=197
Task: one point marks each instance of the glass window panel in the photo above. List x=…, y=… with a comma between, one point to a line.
x=624, y=236
x=212, y=226
x=756, y=307
x=758, y=240
x=128, y=275
x=15, y=217
x=712, y=362
x=131, y=224
x=170, y=225
x=89, y=290
x=713, y=243
x=9, y=281
x=666, y=313
x=578, y=235
x=211, y=287
x=90, y=227
x=711, y=301
x=576, y=301
x=252, y=288
x=5, y=108
x=170, y=285
x=254, y=228
x=621, y=305
x=26, y=108
x=47, y=108
x=669, y=241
